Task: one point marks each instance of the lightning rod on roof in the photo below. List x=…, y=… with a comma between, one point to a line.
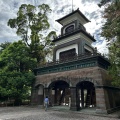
x=72, y=6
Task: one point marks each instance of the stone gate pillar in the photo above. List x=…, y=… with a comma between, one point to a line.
x=73, y=98
x=77, y=99
x=82, y=97
x=34, y=96
x=53, y=97
x=40, y=95
x=100, y=101
x=55, y=101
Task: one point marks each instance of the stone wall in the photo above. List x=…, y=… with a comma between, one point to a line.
x=113, y=98
x=92, y=74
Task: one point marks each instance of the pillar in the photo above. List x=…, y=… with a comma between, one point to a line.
x=53, y=97
x=34, y=96
x=77, y=99
x=55, y=102
x=82, y=98
x=40, y=95
x=100, y=101
x=73, y=99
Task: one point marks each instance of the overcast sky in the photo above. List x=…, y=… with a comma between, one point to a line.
x=60, y=8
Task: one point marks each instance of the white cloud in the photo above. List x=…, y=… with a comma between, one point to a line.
x=102, y=48
x=9, y=8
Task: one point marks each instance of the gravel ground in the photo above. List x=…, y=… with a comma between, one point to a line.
x=36, y=113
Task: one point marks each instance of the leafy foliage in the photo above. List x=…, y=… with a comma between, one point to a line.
x=111, y=31
x=103, y=2
x=16, y=56
x=16, y=76
x=3, y=46
x=30, y=24
x=18, y=59
x=15, y=85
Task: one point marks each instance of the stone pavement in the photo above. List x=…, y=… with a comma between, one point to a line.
x=38, y=113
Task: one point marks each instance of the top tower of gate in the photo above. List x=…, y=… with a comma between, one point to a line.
x=74, y=38
x=73, y=16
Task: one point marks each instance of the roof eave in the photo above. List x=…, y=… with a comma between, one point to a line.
x=91, y=37
x=59, y=20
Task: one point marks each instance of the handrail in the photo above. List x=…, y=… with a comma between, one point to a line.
x=70, y=59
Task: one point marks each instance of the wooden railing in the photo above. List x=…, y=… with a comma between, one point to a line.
x=70, y=59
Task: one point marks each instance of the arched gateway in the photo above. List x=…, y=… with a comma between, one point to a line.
x=60, y=93
x=77, y=77
x=86, y=94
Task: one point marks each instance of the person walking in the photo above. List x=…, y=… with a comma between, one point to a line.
x=46, y=102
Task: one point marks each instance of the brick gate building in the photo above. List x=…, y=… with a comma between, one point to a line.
x=78, y=76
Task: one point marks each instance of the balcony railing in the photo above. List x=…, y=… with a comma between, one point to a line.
x=70, y=59
x=77, y=62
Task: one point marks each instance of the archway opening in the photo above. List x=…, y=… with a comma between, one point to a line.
x=86, y=94
x=59, y=93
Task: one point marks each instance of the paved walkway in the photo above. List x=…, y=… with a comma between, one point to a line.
x=38, y=113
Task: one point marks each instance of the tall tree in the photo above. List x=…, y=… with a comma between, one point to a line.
x=31, y=22
x=16, y=75
x=111, y=31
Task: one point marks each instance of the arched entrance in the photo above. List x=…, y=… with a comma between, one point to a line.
x=59, y=93
x=86, y=96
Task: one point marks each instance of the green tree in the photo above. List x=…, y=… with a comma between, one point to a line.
x=16, y=56
x=3, y=46
x=31, y=23
x=103, y=2
x=15, y=85
x=111, y=31
x=16, y=76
